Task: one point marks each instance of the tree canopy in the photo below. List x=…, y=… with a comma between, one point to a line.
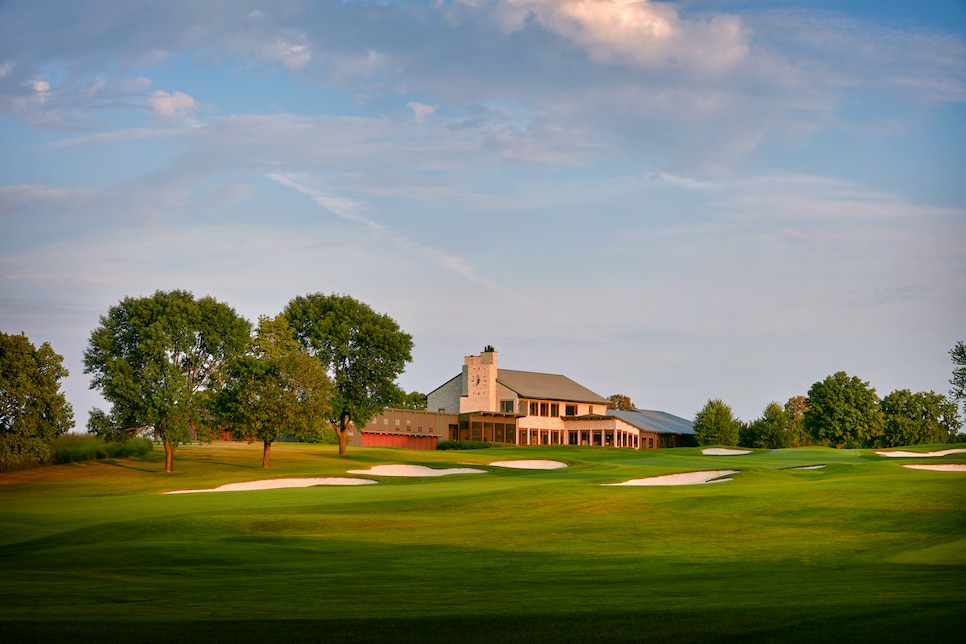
x=958, y=381
x=277, y=389
x=621, y=402
x=362, y=351
x=771, y=431
x=33, y=410
x=715, y=424
x=917, y=418
x=411, y=400
x=843, y=411
x=155, y=358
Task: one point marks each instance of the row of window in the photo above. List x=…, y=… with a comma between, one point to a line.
x=536, y=408
x=409, y=424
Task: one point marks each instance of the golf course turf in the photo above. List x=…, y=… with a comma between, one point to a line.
x=860, y=550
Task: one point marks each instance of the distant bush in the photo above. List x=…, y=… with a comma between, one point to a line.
x=325, y=436
x=443, y=445
x=71, y=448
x=130, y=447
x=21, y=453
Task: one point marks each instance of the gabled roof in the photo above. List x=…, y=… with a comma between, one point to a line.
x=547, y=386
x=456, y=377
x=654, y=421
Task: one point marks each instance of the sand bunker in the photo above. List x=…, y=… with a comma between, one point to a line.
x=901, y=454
x=415, y=470
x=804, y=467
x=273, y=484
x=530, y=465
x=723, y=451
x=946, y=467
x=685, y=478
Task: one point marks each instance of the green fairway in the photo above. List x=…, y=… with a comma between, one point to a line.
x=860, y=550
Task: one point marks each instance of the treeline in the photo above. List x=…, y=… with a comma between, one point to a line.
x=843, y=411
x=178, y=368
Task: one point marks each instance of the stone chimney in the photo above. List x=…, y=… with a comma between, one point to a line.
x=479, y=382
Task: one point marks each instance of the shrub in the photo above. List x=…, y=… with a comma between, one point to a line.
x=444, y=445
x=325, y=436
x=20, y=453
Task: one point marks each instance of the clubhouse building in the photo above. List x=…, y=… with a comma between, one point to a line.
x=486, y=403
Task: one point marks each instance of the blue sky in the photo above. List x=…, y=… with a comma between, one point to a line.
x=673, y=201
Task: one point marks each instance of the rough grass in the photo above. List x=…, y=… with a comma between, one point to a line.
x=71, y=448
x=862, y=550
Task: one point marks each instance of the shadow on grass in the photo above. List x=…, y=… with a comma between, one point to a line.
x=632, y=624
x=127, y=466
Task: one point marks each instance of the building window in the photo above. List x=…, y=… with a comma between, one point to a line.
x=570, y=410
x=554, y=409
x=533, y=409
x=506, y=406
x=544, y=409
x=590, y=410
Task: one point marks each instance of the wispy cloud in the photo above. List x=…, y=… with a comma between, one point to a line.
x=350, y=210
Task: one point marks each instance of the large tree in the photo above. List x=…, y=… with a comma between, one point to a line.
x=277, y=389
x=958, y=381
x=715, y=424
x=155, y=359
x=33, y=410
x=843, y=411
x=917, y=418
x=363, y=352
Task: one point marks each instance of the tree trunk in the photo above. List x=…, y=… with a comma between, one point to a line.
x=169, y=456
x=266, y=454
x=343, y=434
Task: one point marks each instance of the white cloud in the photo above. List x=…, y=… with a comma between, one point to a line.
x=41, y=89
x=635, y=31
x=171, y=106
x=293, y=56
x=420, y=110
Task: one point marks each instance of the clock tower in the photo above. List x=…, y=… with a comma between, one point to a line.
x=479, y=382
